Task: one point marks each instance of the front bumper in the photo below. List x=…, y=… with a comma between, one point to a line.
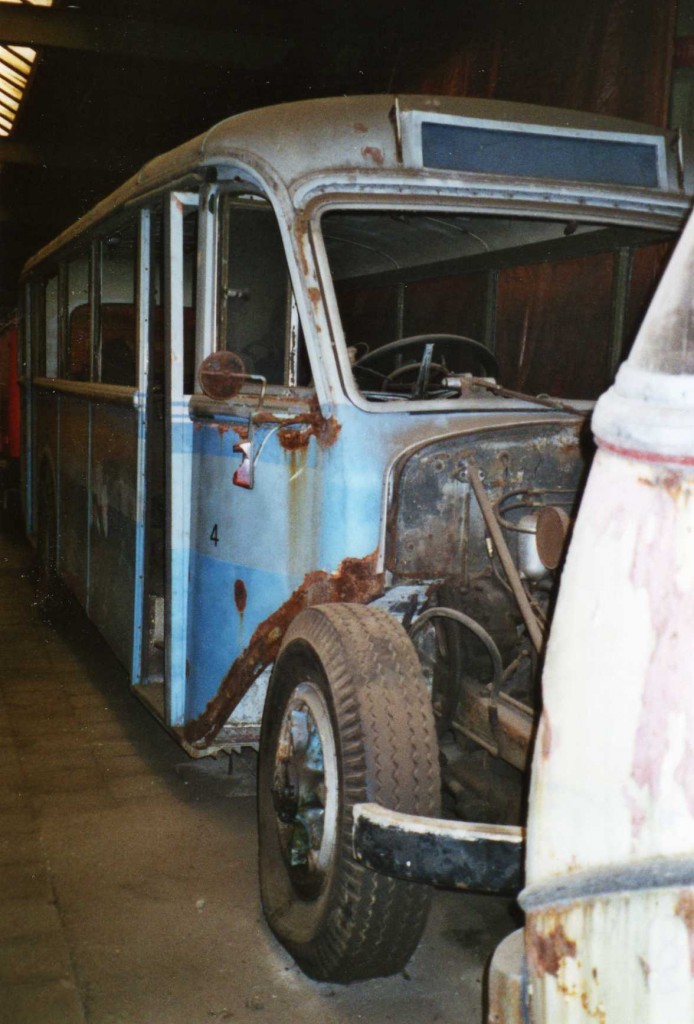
x=449, y=854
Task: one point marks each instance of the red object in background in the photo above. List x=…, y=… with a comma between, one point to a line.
x=9, y=393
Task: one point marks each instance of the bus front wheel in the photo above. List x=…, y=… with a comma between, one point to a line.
x=347, y=719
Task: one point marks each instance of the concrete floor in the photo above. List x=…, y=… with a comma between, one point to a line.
x=128, y=890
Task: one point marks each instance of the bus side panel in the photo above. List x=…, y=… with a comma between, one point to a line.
x=113, y=527
x=249, y=549
x=73, y=497
x=311, y=508
x=46, y=437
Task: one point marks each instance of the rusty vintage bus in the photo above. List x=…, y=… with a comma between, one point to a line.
x=304, y=408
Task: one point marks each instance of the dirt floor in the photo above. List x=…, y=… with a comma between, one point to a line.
x=128, y=891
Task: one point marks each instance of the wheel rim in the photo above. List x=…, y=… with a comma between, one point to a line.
x=305, y=788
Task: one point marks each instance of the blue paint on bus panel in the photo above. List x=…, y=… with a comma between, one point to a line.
x=311, y=509
x=180, y=471
x=222, y=631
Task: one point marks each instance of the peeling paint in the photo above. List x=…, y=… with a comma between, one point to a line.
x=300, y=236
x=240, y=596
x=325, y=431
x=373, y=153
x=547, y=951
x=685, y=910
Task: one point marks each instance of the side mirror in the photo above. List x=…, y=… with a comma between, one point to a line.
x=222, y=375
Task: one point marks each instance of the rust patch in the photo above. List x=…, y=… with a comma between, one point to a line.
x=670, y=481
x=223, y=428
x=300, y=236
x=685, y=910
x=325, y=431
x=355, y=582
x=241, y=429
x=293, y=440
x=373, y=153
x=361, y=128
x=596, y=1012
x=240, y=595
x=314, y=296
x=548, y=951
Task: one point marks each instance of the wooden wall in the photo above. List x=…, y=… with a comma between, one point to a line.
x=605, y=56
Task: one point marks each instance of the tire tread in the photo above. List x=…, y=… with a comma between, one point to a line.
x=389, y=754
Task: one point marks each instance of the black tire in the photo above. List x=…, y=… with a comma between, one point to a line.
x=357, y=675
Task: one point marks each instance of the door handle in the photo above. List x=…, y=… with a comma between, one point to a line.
x=243, y=475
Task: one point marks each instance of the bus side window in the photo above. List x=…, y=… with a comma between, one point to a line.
x=156, y=303
x=254, y=303
x=190, y=291
x=117, y=313
x=160, y=343
x=77, y=361
x=49, y=361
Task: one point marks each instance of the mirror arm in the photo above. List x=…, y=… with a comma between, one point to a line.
x=244, y=474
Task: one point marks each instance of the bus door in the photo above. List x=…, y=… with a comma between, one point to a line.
x=166, y=375
x=255, y=522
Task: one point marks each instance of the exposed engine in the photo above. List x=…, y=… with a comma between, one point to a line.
x=501, y=503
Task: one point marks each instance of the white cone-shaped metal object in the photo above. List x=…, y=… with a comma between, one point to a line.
x=610, y=851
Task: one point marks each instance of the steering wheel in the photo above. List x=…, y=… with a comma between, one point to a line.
x=412, y=370
x=480, y=356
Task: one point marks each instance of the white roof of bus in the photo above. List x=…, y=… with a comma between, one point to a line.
x=290, y=143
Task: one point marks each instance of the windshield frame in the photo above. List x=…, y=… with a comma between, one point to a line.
x=557, y=206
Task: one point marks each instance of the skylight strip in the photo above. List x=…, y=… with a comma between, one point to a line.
x=19, y=65
x=25, y=52
x=8, y=87
x=4, y=123
x=9, y=115
x=14, y=60
x=11, y=75
x=7, y=100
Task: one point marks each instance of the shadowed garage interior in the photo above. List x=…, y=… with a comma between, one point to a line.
x=128, y=889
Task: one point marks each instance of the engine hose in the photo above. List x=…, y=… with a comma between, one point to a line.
x=483, y=636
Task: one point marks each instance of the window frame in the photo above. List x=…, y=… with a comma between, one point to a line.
x=226, y=201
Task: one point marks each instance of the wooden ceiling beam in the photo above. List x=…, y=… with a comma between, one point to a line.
x=69, y=157
x=25, y=25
